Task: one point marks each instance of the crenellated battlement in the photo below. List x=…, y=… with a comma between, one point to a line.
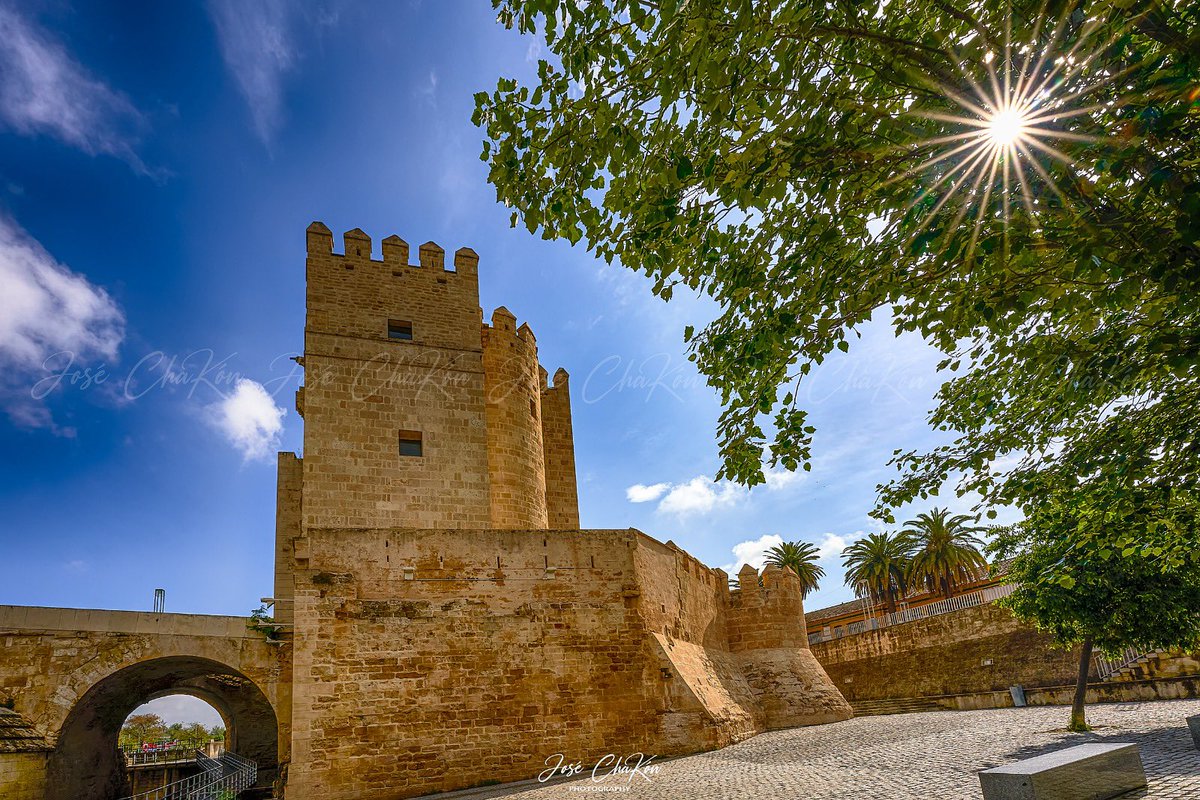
x=504, y=328
x=395, y=252
x=766, y=611
x=561, y=379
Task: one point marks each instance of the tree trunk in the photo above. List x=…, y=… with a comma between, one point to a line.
x=1078, y=720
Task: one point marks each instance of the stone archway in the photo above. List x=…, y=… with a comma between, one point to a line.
x=85, y=764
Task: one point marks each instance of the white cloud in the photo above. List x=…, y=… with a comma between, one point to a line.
x=700, y=494
x=780, y=478
x=45, y=91
x=250, y=419
x=257, y=44
x=46, y=308
x=76, y=566
x=427, y=91
x=50, y=317
x=640, y=493
x=752, y=552
x=831, y=546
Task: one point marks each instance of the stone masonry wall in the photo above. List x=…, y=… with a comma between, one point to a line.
x=978, y=649
x=75, y=674
x=516, y=469
x=558, y=447
x=768, y=636
x=362, y=388
x=23, y=753
x=429, y=660
x=287, y=528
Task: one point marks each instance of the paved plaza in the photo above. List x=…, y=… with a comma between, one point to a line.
x=925, y=756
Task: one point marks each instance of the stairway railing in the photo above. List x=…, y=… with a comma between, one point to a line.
x=1107, y=667
x=218, y=778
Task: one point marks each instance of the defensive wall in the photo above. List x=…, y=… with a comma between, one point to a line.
x=970, y=659
x=429, y=660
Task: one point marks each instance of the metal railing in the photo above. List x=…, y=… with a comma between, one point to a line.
x=162, y=755
x=218, y=778
x=947, y=606
x=1107, y=667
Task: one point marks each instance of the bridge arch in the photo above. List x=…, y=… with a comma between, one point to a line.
x=85, y=761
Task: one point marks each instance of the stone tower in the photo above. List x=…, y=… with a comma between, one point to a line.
x=416, y=414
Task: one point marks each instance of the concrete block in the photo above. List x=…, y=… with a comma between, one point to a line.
x=1084, y=772
x=1194, y=727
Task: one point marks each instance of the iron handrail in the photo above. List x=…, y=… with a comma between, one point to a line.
x=957, y=603
x=229, y=774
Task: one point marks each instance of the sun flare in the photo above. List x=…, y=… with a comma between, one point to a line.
x=1006, y=126
x=1010, y=118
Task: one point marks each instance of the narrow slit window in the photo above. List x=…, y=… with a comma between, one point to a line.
x=410, y=443
x=532, y=408
x=400, y=329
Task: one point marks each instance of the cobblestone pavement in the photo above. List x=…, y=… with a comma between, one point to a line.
x=925, y=756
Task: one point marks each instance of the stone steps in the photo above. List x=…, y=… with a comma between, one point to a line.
x=895, y=705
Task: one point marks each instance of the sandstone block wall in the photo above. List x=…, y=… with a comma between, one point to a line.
x=516, y=469
x=473, y=392
x=362, y=388
x=558, y=448
x=74, y=675
x=769, y=638
x=23, y=754
x=23, y=776
x=978, y=649
x=430, y=660
x=288, y=515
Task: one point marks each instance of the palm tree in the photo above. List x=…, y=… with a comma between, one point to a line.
x=802, y=558
x=877, y=567
x=945, y=550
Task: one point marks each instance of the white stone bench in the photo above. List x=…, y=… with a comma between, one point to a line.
x=1082, y=772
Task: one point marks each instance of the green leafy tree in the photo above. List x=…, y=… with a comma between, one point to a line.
x=1083, y=594
x=802, y=558
x=140, y=728
x=803, y=164
x=877, y=567
x=945, y=551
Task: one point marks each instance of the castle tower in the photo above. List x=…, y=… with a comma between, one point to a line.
x=512, y=382
x=415, y=414
x=395, y=431
x=558, y=452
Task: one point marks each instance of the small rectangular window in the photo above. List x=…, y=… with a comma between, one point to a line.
x=410, y=443
x=399, y=329
x=533, y=408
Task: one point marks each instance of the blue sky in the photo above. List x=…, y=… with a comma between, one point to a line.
x=158, y=165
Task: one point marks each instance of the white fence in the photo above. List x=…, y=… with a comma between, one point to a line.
x=949, y=605
x=1107, y=667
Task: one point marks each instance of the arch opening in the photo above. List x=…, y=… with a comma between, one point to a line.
x=87, y=762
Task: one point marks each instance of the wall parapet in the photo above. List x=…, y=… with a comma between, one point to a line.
x=44, y=618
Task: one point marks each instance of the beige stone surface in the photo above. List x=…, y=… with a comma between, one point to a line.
x=75, y=674
x=977, y=649
x=438, y=659
x=22, y=776
x=558, y=447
